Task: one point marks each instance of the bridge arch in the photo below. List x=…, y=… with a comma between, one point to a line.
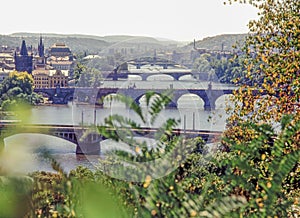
x=45, y=91
x=28, y=141
x=135, y=77
x=44, y=94
x=160, y=76
x=86, y=140
x=68, y=97
x=189, y=100
x=187, y=78
x=109, y=102
x=141, y=100
x=223, y=101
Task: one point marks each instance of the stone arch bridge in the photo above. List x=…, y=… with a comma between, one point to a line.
x=145, y=67
x=95, y=95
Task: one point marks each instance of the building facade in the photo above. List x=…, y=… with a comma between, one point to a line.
x=44, y=78
x=58, y=78
x=60, y=50
x=41, y=78
x=23, y=60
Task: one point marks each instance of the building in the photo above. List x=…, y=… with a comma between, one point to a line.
x=61, y=63
x=54, y=70
x=23, y=61
x=60, y=50
x=61, y=58
x=41, y=78
x=7, y=61
x=58, y=78
x=45, y=78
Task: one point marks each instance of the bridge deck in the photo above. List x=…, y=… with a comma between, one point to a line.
x=73, y=128
x=90, y=143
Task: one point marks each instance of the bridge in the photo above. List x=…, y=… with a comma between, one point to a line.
x=96, y=95
x=145, y=67
x=87, y=139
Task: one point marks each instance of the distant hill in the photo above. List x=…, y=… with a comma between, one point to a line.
x=216, y=42
x=89, y=43
x=95, y=44
x=109, y=38
x=76, y=44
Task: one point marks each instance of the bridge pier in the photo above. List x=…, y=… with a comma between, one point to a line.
x=208, y=105
x=144, y=76
x=89, y=144
x=85, y=144
x=88, y=148
x=176, y=76
x=172, y=105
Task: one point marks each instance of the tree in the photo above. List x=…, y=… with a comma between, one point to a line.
x=269, y=94
x=228, y=69
x=18, y=89
x=203, y=66
x=78, y=72
x=272, y=60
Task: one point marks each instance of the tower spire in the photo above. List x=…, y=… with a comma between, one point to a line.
x=23, y=49
x=41, y=47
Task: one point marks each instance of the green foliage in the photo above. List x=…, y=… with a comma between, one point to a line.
x=202, y=63
x=224, y=68
x=272, y=63
x=118, y=128
x=87, y=76
x=15, y=195
x=18, y=89
x=82, y=193
x=254, y=179
x=229, y=69
x=260, y=170
x=79, y=69
x=268, y=163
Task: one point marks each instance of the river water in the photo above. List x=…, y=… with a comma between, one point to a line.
x=23, y=152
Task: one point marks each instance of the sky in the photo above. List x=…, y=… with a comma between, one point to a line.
x=181, y=20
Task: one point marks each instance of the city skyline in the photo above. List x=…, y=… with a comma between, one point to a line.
x=176, y=20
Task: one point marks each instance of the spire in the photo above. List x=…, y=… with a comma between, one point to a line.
x=23, y=49
x=41, y=47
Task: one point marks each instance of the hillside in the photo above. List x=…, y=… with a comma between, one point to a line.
x=87, y=43
x=95, y=44
x=215, y=42
x=77, y=44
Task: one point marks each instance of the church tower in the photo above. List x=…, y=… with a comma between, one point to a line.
x=41, y=48
x=40, y=59
x=23, y=61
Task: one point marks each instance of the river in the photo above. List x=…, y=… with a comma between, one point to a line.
x=23, y=151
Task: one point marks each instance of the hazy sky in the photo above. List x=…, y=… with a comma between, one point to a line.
x=183, y=20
